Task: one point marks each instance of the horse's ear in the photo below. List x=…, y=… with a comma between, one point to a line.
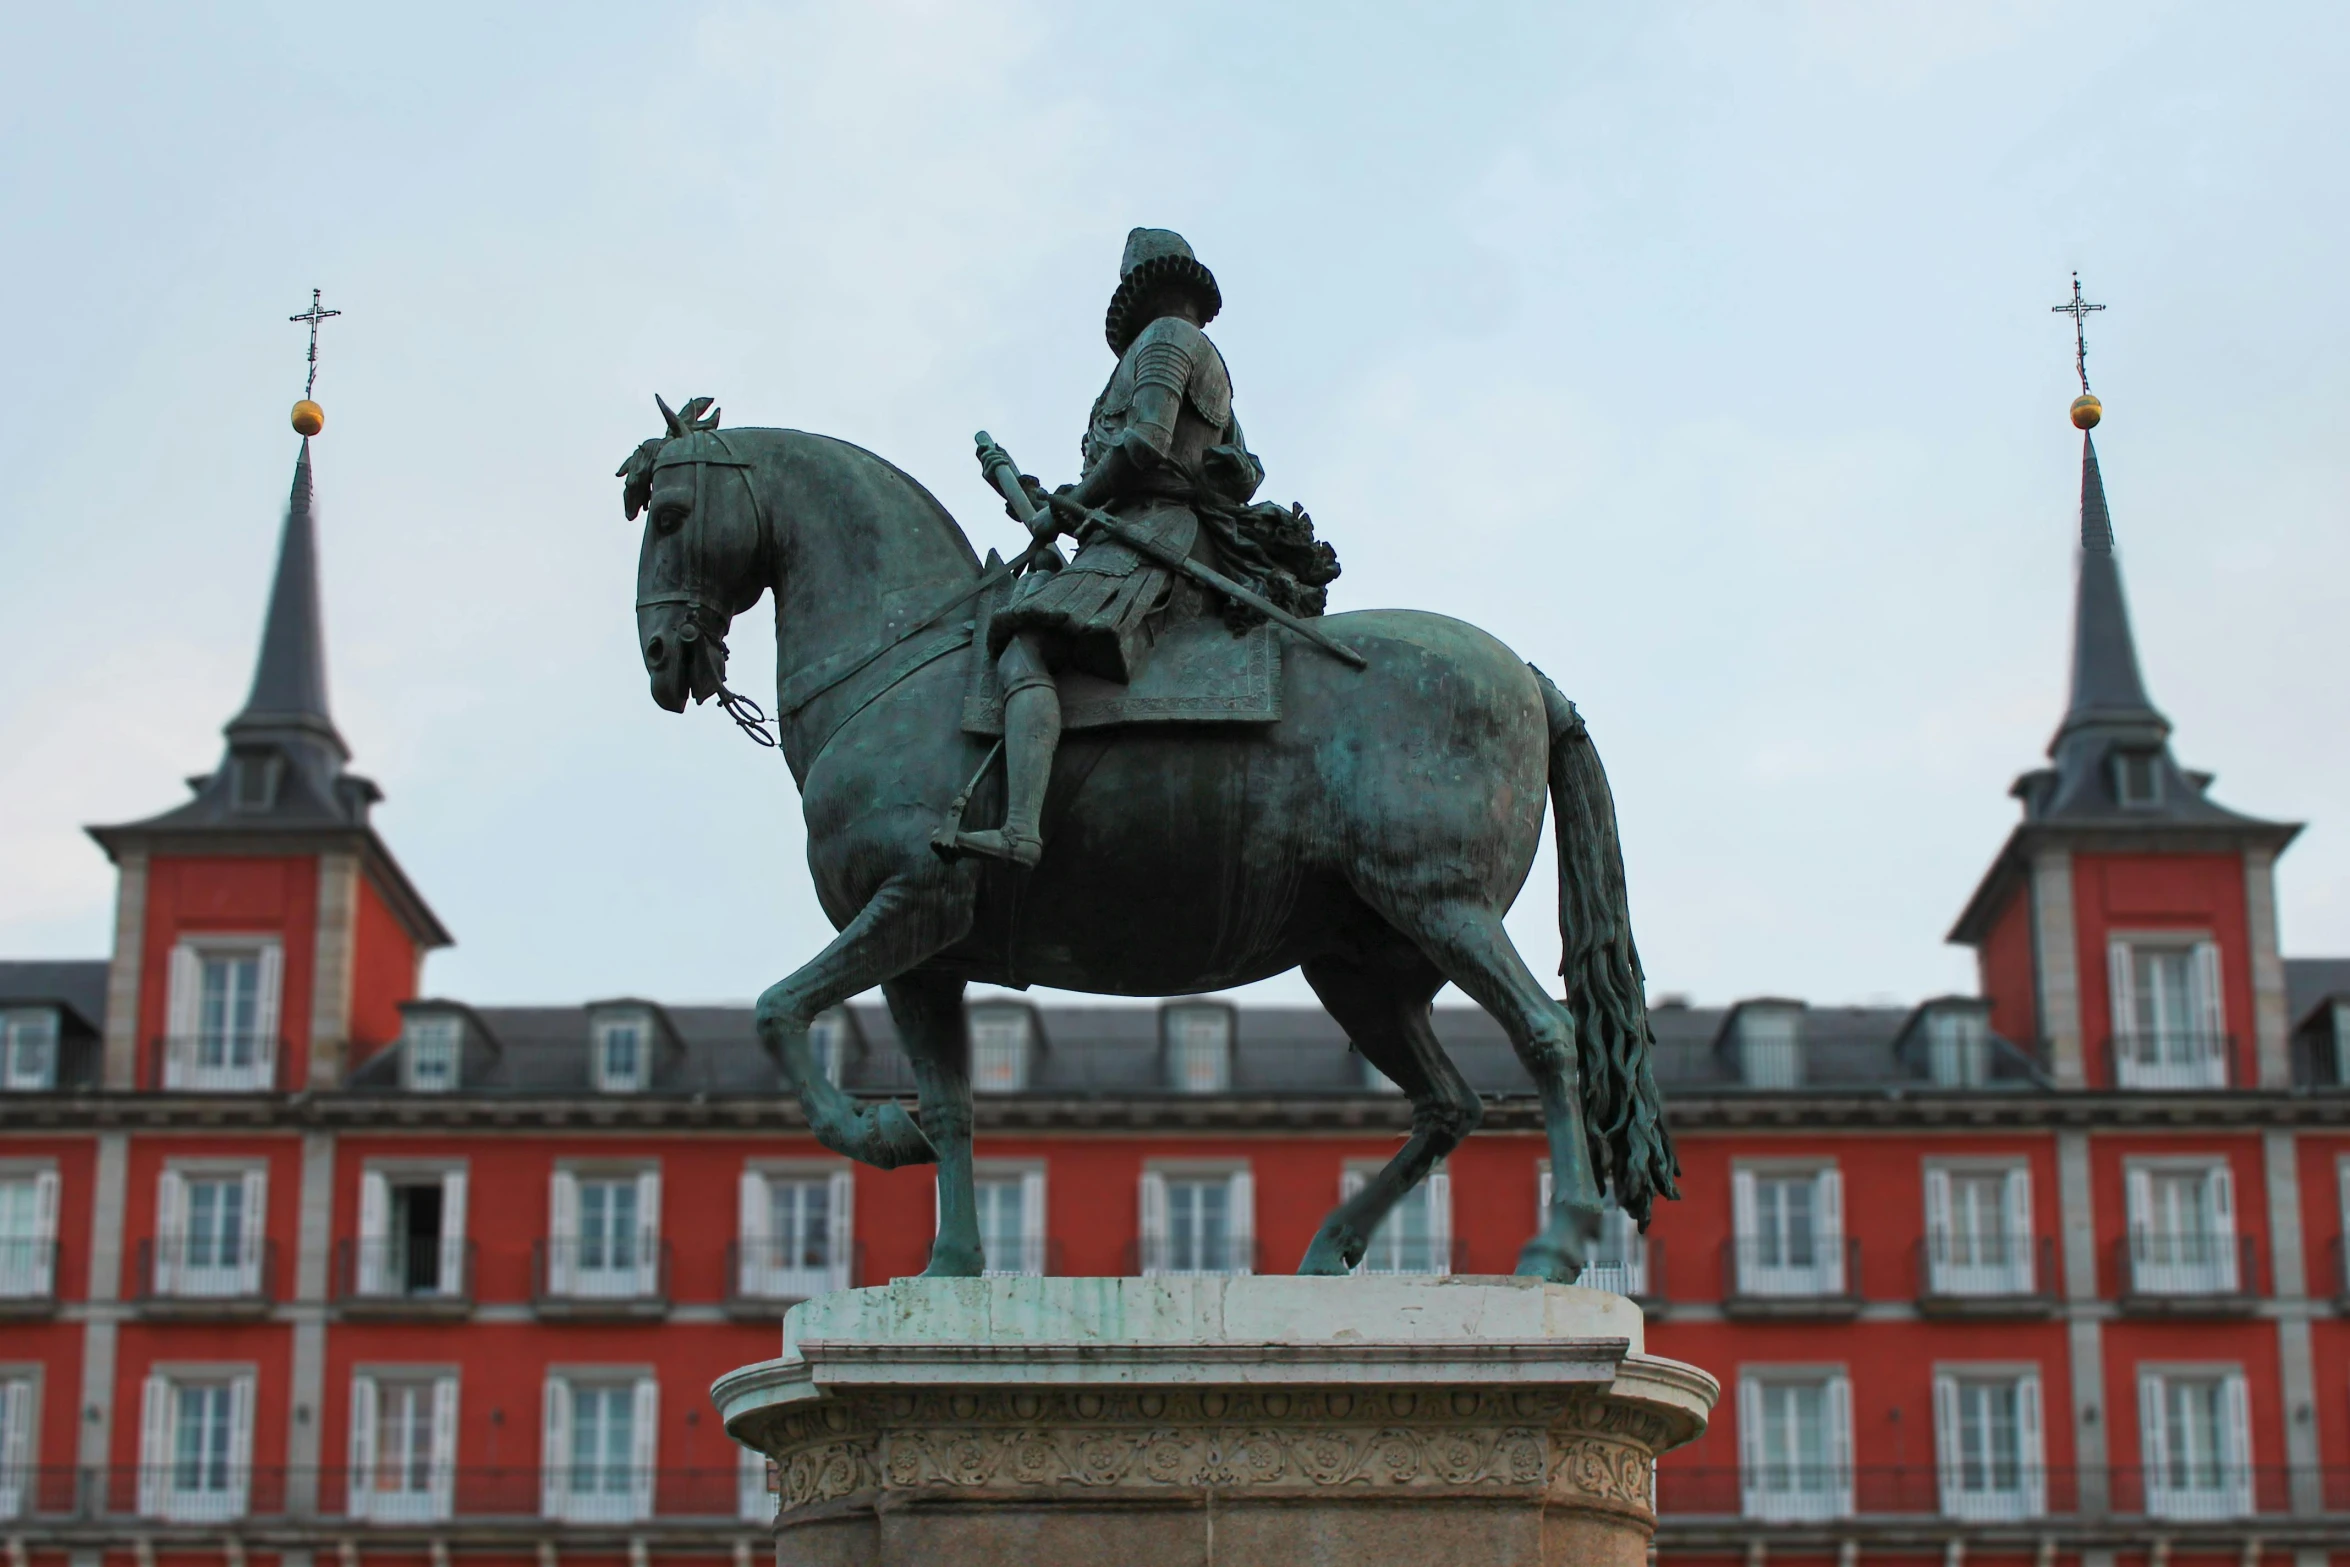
x=669, y=416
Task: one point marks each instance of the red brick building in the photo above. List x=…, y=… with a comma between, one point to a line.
x=296, y=1262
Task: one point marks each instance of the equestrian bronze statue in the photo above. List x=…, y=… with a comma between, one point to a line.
x=1204, y=779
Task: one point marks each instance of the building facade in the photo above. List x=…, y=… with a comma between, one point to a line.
x=299, y=1261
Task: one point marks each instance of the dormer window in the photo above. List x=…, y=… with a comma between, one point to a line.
x=252, y=780
x=430, y=1047
x=1769, y=1044
x=1003, y=1041
x=830, y=1036
x=2137, y=779
x=623, y=1052
x=1958, y=1047
x=1199, y=1048
x=28, y=1049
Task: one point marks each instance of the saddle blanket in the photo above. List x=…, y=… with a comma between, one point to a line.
x=1198, y=672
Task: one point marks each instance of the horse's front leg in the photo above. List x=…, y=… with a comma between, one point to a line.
x=910, y=918
x=929, y=1013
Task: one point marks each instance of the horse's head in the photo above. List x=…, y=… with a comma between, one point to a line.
x=704, y=551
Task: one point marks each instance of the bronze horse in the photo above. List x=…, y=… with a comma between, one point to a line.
x=1373, y=837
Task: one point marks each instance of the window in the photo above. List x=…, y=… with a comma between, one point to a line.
x=1789, y=1231
x=28, y=1049
x=606, y=1236
x=1979, y=1230
x=429, y=1053
x=196, y=1445
x=597, y=1466
x=28, y=1234
x=1987, y=1437
x=831, y=1035
x=1619, y=1258
x=1002, y=1039
x=1011, y=1220
x=1770, y=1050
x=18, y=1438
x=1416, y=1235
x=208, y=1225
x=1958, y=1047
x=1197, y=1220
x=2182, y=1218
x=794, y=1233
x=2195, y=1440
x=253, y=779
x=224, y=1004
x=1199, y=1049
x=2137, y=779
x=622, y=1052
x=403, y=1460
x=755, y=1496
x=2169, y=1023
x=1795, y=1444
x=412, y=1234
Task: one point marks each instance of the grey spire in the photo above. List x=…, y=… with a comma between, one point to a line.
x=288, y=699
x=2107, y=687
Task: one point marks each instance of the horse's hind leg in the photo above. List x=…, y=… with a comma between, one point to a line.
x=905, y=922
x=928, y=1009
x=1468, y=943
x=1381, y=1000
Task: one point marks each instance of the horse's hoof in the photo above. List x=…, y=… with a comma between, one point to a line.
x=1547, y=1260
x=895, y=1139
x=1328, y=1256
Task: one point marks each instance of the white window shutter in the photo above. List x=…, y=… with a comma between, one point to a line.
x=2221, y=1193
x=1440, y=1220
x=1742, y=1207
x=2210, y=994
x=1151, y=1191
x=562, y=1231
x=454, y=1185
x=182, y=1014
x=1946, y=1441
x=265, y=1012
x=240, y=1443
x=1939, y=1251
x=375, y=1224
x=753, y=1501
x=1750, y=1443
x=2023, y=1257
x=2153, y=1439
x=44, y=1261
x=754, y=1233
x=2138, y=1198
x=2122, y=991
x=1244, y=1221
x=2236, y=1410
x=442, y=1481
x=648, y=1218
x=1032, y=1247
x=844, y=1252
x=1350, y=1181
x=360, y=1462
x=1840, y=1441
x=2032, y=1444
x=1542, y=1194
x=255, y=1192
x=16, y=1447
x=171, y=1223
x=555, y=1448
x=644, y=1451
x=1831, y=1199
x=154, y=1444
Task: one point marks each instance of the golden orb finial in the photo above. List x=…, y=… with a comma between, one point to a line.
x=2087, y=410
x=309, y=418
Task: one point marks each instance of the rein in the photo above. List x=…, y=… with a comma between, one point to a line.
x=704, y=631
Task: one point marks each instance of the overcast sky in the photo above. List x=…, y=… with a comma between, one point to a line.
x=1702, y=352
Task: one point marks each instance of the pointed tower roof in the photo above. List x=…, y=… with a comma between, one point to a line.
x=288, y=699
x=2107, y=687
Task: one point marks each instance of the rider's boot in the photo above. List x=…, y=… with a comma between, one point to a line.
x=1032, y=732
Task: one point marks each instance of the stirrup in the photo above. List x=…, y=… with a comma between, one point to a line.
x=1002, y=843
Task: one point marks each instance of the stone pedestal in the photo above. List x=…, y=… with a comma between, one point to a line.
x=1215, y=1422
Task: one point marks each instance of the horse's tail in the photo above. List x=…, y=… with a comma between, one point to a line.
x=1623, y=1114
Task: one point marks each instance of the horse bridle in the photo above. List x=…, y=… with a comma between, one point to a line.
x=705, y=622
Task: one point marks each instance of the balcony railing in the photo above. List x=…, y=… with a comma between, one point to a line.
x=28, y=1276
x=2187, y=1273
x=1958, y=1273
x=2011, y=1492
x=199, y=1273
x=394, y=1275
x=1161, y=1255
x=216, y=1064
x=2171, y=1060
x=1768, y=1279
x=764, y=1277
x=719, y=1492
x=573, y=1277
x=1639, y=1273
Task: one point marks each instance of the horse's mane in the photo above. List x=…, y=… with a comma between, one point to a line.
x=882, y=468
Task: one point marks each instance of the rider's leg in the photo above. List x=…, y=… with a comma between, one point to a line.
x=1032, y=732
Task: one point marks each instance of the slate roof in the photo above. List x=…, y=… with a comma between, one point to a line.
x=2310, y=983
x=75, y=983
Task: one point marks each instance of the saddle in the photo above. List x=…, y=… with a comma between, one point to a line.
x=1199, y=672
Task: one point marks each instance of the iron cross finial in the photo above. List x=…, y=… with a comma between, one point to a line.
x=2079, y=309
x=313, y=315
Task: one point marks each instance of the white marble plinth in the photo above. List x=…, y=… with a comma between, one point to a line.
x=1195, y=1420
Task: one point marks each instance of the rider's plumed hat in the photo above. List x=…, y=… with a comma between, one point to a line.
x=1156, y=258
